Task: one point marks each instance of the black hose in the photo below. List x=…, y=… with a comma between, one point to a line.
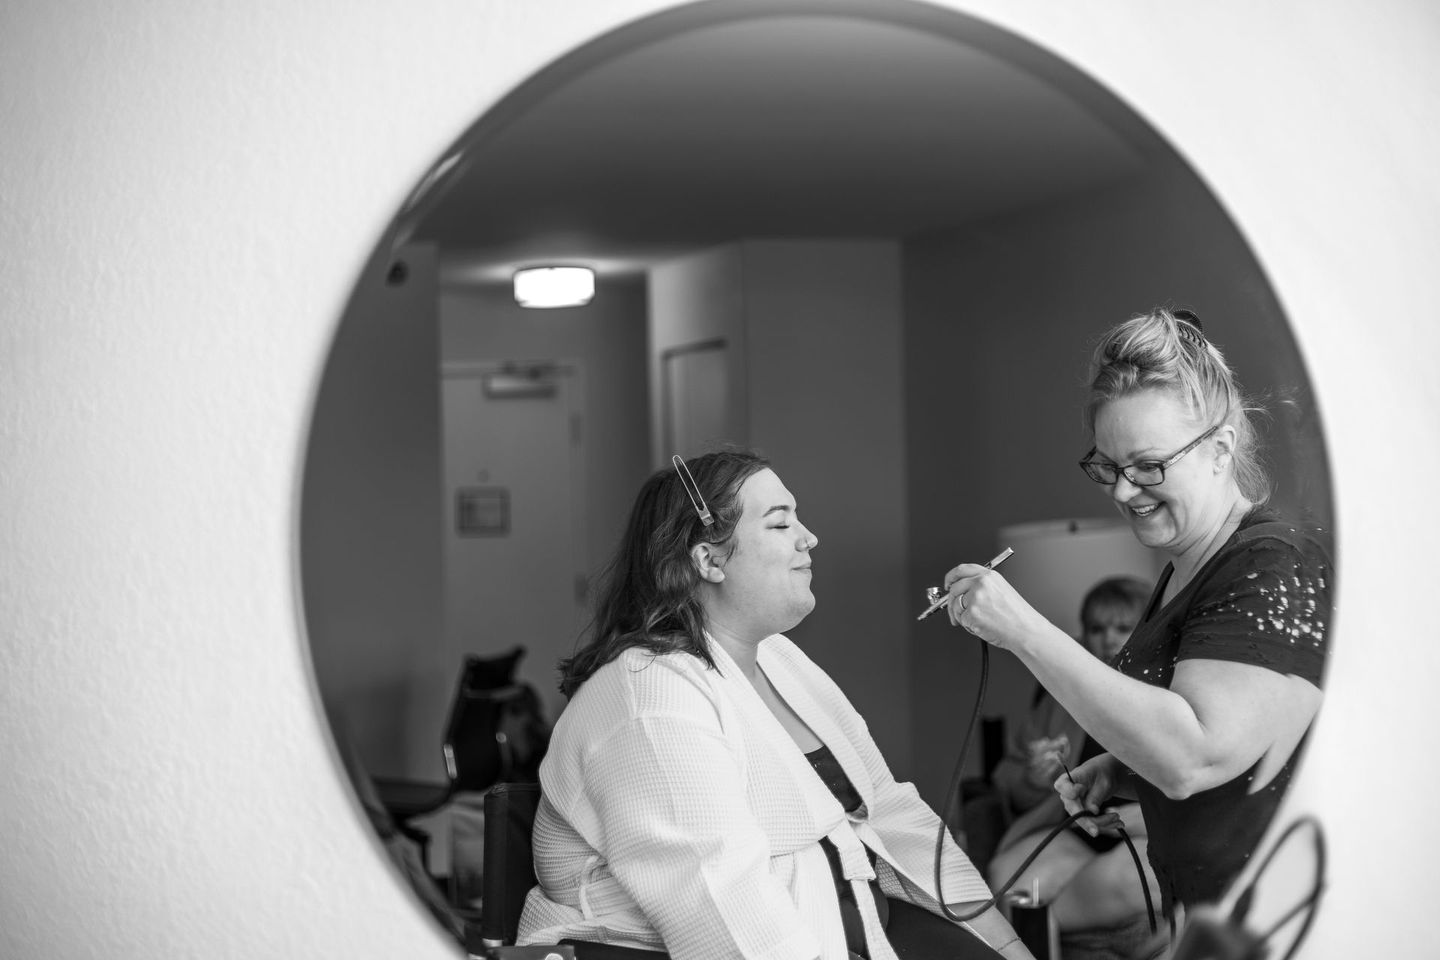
x=952, y=801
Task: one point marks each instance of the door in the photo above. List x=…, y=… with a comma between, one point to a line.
x=695, y=399
x=514, y=495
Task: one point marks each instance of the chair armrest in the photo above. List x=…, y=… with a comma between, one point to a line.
x=509, y=868
x=562, y=951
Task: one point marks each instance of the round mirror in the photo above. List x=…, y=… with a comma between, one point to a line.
x=876, y=241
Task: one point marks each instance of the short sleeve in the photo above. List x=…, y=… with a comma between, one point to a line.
x=1266, y=602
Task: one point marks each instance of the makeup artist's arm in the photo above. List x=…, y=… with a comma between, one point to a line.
x=1213, y=723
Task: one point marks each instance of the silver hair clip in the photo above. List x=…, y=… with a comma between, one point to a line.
x=688, y=482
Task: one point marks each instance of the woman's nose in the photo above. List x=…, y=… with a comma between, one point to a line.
x=1123, y=489
x=808, y=540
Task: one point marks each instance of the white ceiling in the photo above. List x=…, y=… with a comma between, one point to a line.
x=800, y=126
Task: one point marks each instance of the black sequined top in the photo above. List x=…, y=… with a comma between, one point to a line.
x=1263, y=599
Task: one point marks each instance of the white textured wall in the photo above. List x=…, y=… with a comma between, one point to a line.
x=186, y=193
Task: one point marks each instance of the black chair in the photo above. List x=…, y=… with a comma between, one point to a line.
x=495, y=731
x=509, y=873
x=509, y=869
x=474, y=757
x=494, y=735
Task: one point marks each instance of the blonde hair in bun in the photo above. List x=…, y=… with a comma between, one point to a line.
x=1167, y=349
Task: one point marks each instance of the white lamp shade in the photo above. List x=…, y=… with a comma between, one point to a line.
x=1056, y=562
x=554, y=286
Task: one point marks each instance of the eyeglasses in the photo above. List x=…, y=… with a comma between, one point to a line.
x=1142, y=473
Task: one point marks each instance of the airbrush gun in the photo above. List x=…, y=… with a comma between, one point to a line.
x=938, y=597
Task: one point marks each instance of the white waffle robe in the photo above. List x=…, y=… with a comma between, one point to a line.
x=678, y=815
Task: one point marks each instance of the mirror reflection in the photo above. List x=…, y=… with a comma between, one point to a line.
x=880, y=248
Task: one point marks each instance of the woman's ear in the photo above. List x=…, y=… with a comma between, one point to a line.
x=709, y=562
x=1224, y=447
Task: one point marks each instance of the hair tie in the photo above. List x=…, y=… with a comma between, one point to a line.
x=1188, y=326
x=688, y=482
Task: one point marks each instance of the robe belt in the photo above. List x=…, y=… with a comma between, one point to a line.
x=855, y=867
x=603, y=895
x=593, y=895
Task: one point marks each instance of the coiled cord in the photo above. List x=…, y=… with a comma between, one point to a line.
x=1310, y=905
x=952, y=801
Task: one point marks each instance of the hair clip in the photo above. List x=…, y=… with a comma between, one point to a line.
x=1188, y=326
x=688, y=482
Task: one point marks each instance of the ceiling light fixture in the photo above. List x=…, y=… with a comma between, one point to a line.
x=554, y=286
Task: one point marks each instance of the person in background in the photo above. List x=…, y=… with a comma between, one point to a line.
x=709, y=791
x=1089, y=881
x=1206, y=708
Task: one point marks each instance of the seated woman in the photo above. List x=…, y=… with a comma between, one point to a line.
x=709, y=791
x=1090, y=882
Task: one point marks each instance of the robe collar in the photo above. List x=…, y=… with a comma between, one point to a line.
x=798, y=693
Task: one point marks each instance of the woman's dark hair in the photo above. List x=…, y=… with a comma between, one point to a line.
x=1166, y=350
x=647, y=594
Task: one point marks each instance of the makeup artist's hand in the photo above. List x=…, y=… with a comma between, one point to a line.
x=1131, y=818
x=1086, y=787
x=983, y=602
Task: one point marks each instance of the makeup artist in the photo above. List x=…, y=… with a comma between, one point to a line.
x=1217, y=686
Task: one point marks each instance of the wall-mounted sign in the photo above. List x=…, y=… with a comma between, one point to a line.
x=482, y=511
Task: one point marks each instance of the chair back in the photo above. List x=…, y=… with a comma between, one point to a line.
x=496, y=729
x=509, y=870
x=487, y=673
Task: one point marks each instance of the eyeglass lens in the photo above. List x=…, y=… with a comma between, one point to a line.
x=1146, y=474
